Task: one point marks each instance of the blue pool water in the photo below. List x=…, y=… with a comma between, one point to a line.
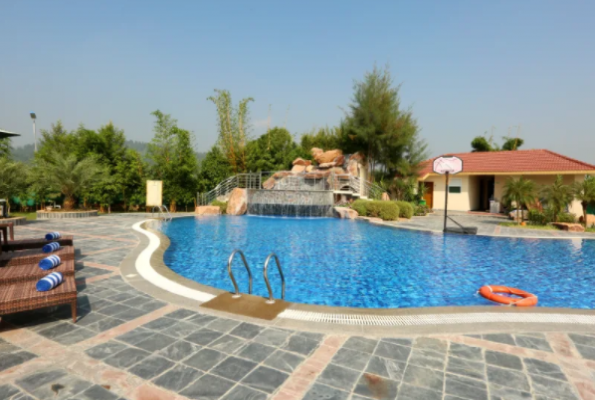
x=338, y=262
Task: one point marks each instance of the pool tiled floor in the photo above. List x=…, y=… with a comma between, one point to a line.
x=129, y=345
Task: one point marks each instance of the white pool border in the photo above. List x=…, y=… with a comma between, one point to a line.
x=409, y=318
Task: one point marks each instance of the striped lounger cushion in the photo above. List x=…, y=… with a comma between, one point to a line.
x=49, y=282
x=53, y=236
x=51, y=247
x=50, y=262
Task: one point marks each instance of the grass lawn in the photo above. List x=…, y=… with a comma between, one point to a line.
x=539, y=227
x=31, y=216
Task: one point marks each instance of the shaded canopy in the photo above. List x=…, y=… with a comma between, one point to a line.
x=5, y=134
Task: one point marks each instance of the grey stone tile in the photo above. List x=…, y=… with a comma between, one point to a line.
x=552, y=387
x=205, y=359
x=544, y=368
x=401, y=341
x=7, y=391
x=32, y=382
x=424, y=377
x=106, y=324
x=156, y=342
x=12, y=359
x=75, y=336
x=246, y=330
x=179, y=350
x=364, y=345
x=89, y=319
x=586, y=351
x=392, y=351
x=203, y=337
x=182, y=313
x=160, y=324
x=530, y=342
x=152, y=305
x=464, y=367
x=386, y=368
x=61, y=388
x=97, y=392
x=504, y=393
x=244, y=393
x=150, y=367
x=272, y=337
x=113, y=311
x=201, y=319
x=339, y=377
x=467, y=352
x=351, y=359
x=301, y=345
x=104, y=350
x=376, y=387
x=223, y=325
x=584, y=340
x=427, y=343
x=126, y=358
x=136, y=301
x=284, y=361
x=135, y=336
x=317, y=337
x=131, y=314
x=503, y=360
x=207, y=387
x=179, y=329
x=227, y=343
x=504, y=338
x=428, y=359
x=233, y=368
x=255, y=351
x=409, y=392
x=323, y=392
x=57, y=330
x=6, y=348
x=177, y=378
x=465, y=388
x=265, y=379
x=506, y=377
x=121, y=297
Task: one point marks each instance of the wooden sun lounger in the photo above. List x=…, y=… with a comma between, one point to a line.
x=33, y=256
x=26, y=272
x=24, y=244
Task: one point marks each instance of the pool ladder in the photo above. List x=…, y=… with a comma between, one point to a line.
x=162, y=210
x=237, y=293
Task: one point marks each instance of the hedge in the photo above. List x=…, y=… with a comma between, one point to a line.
x=221, y=204
x=386, y=210
x=405, y=209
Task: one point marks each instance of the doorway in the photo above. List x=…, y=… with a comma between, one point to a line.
x=486, y=192
x=429, y=196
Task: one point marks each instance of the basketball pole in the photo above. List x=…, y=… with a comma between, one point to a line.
x=446, y=201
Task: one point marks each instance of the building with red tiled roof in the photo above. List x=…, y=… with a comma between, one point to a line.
x=484, y=175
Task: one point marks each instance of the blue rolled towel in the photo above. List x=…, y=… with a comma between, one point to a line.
x=53, y=236
x=50, y=262
x=49, y=282
x=50, y=247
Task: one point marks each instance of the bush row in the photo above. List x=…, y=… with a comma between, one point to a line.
x=546, y=216
x=221, y=204
x=386, y=210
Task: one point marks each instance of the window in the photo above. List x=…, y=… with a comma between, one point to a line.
x=455, y=185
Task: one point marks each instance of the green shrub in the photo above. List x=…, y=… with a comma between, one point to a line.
x=360, y=207
x=405, y=209
x=566, y=217
x=421, y=210
x=221, y=204
x=538, y=217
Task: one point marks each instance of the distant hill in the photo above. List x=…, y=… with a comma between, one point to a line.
x=25, y=153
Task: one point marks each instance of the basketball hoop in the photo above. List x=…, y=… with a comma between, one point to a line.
x=448, y=164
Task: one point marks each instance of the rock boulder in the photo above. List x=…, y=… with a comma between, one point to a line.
x=301, y=161
x=208, y=210
x=345, y=213
x=385, y=196
x=269, y=183
x=327, y=156
x=298, y=169
x=238, y=202
x=569, y=227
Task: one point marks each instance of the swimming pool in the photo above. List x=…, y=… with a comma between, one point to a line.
x=336, y=262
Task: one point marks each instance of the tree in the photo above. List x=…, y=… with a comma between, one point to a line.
x=557, y=196
x=585, y=193
x=273, y=151
x=69, y=176
x=131, y=172
x=213, y=169
x=5, y=148
x=481, y=144
x=520, y=191
x=511, y=143
x=326, y=139
x=55, y=140
x=13, y=179
x=376, y=125
x=233, y=124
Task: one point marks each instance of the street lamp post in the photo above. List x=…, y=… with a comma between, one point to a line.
x=33, y=117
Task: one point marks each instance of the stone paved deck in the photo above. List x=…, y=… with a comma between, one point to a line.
x=128, y=345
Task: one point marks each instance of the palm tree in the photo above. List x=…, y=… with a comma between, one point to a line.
x=521, y=191
x=557, y=196
x=69, y=176
x=585, y=193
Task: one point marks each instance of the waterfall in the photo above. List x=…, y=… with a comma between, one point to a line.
x=293, y=203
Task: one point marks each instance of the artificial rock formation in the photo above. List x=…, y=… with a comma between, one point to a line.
x=208, y=210
x=238, y=202
x=345, y=213
x=301, y=161
x=325, y=157
x=569, y=227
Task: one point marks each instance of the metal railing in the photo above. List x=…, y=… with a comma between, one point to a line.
x=233, y=279
x=271, y=300
x=285, y=180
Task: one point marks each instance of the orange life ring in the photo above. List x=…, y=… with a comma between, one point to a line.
x=490, y=292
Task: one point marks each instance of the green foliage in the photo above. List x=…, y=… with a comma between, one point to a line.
x=484, y=143
x=548, y=215
x=585, y=193
x=325, y=138
x=55, y=140
x=273, y=151
x=406, y=209
x=377, y=126
x=5, y=148
x=421, y=210
x=557, y=196
x=566, y=217
x=221, y=204
x=386, y=210
x=13, y=179
x=512, y=143
x=131, y=173
x=520, y=191
x=233, y=126
x=538, y=217
x=481, y=144
x=213, y=169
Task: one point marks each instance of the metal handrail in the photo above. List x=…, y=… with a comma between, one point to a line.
x=167, y=211
x=271, y=300
x=160, y=209
x=233, y=279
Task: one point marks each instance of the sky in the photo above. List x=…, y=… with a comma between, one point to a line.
x=466, y=67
